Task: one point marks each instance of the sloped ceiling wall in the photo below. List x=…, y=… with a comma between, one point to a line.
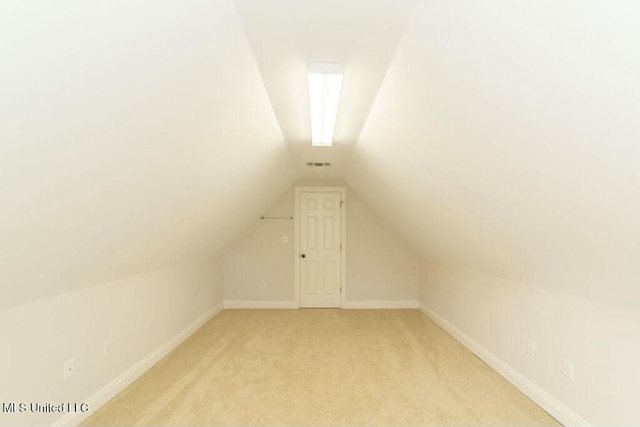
x=134, y=136
x=505, y=138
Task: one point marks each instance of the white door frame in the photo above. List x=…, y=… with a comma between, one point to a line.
x=343, y=240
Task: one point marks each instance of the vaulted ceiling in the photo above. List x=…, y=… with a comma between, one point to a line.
x=287, y=35
x=498, y=135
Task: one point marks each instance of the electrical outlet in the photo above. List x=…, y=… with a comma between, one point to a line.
x=107, y=347
x=284, y=239
x=69, y=368
x=567, y=369
x=263, y=284
x=531, y=349
x=199, y=296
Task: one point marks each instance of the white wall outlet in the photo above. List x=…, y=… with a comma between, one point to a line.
x=200, y=296
x=567, y=369
x=263, y=284
x=69, y=368
x=531, y=349
x=284, y=239
x=107, y=347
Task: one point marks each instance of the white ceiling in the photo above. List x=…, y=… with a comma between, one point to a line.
x=286, y=35
x=503, y=136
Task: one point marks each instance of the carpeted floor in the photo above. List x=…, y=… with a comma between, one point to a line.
x=321, y=367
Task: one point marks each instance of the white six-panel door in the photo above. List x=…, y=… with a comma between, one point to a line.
x=320, y=246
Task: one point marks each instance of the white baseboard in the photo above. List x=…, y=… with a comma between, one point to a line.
x=547, y=402
x=294, y=304
x=260, y=304
x=380, y=304
x=107, y=392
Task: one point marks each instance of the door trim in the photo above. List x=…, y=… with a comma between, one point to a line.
x=343, y=240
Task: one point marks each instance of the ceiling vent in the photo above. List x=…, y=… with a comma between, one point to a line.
x=318, y=164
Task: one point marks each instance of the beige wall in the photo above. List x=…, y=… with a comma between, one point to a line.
x=139, y=314
x=380, y=267
x=602, y=342
x=258, y=254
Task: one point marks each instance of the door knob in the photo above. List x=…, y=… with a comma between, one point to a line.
x=303, y=256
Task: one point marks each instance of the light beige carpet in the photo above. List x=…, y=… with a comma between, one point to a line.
x=321, y=367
